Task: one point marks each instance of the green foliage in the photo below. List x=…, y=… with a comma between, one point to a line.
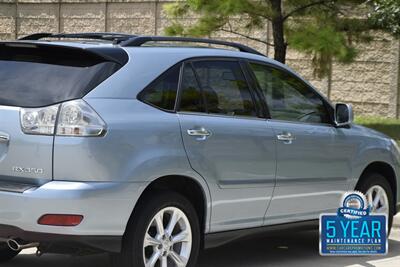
x=324, y=43
x=326, y=29
x=386, y=15
x=214, y=14
x=390, y=127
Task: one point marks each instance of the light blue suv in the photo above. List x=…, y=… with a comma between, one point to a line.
x=151, y=150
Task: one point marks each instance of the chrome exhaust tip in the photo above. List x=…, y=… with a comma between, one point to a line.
x=16, y=246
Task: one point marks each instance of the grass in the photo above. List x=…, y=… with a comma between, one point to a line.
x=390, y=127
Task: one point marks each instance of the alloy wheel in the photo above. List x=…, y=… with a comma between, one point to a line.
x=168, y=239
x=378, y=200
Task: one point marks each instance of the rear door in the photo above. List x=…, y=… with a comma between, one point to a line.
x=33, y=76
x=227, y=142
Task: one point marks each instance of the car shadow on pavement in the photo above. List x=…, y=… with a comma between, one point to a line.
x=294, y=249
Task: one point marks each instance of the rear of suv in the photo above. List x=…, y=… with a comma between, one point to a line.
x=150, y=151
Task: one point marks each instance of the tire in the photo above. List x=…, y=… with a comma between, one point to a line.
x=6, y=254
x=378, y=181
x=146, y=221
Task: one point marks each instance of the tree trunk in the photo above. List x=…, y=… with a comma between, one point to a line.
x=280, y=45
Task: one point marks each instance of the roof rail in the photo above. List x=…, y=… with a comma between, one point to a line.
x=136, y=40
x=36, y=36
x=115, y=37
x=140, y=40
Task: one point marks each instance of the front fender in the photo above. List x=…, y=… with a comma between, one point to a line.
x=368, y=156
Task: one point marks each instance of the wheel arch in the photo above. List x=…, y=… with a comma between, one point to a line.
x=197, y=192
x=386, y=170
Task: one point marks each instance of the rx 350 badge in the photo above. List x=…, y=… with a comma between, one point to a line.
x=353, y=230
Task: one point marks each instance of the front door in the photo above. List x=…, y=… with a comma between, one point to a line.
x=313, y=161
x=227, y=142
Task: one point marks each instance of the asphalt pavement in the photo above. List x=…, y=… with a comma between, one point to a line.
x=282, y=249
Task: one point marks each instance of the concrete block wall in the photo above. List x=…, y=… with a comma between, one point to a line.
x=371, y=83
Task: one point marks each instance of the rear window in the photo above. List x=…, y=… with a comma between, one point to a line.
x=35, y=76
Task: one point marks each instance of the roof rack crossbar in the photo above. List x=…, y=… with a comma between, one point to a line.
x=119, y=37
x=140, y=40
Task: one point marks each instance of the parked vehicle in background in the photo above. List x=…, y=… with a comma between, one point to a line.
x=151, y=151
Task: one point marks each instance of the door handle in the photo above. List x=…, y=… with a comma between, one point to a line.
x=287, y=138
x=201, y=133
x=4, y=138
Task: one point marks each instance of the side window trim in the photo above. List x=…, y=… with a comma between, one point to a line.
x=244, y=71
x=196, y=76
x=188, y=63
x=255, y=89
x=325, y=102
x=179, y=92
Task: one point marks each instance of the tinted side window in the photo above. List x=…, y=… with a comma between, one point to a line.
x=225, y=88
x=162, y=92
x=288, y=97
x=191, y=98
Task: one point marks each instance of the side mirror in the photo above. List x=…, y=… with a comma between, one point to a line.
x=343, y=114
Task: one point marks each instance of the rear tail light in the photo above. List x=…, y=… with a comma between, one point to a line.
x=39, y=120
x=77, y=118
x=60, y=220
x=73, y=118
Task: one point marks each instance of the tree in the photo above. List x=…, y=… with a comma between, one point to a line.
x=386, y=14
x=326, y=29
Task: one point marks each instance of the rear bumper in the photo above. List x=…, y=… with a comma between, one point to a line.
x=96, y=243
x=106, y=208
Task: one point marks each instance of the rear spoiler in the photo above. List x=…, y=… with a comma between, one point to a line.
x=114, y=54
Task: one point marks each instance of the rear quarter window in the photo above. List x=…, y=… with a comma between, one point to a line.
x=162, y=92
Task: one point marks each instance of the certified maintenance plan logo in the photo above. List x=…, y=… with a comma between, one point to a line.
x=353, y=230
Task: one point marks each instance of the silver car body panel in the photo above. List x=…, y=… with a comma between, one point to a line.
x=313, y=172
x=17, y=153
x=239, y=160
x=96, y=201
